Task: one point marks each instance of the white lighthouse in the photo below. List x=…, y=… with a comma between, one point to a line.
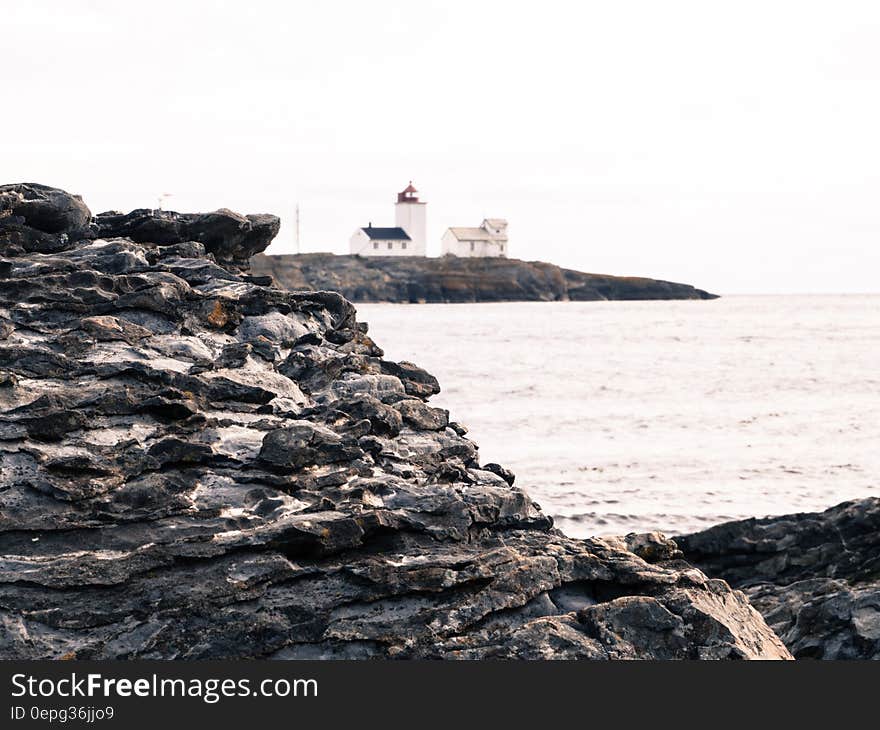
x=407, y=238
x=409, y=214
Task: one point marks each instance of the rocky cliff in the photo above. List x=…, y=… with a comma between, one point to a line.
x=196, y=465
x=451, y=279
x=815, y=577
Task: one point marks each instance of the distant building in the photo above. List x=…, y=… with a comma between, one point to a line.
x=407, y=238
x=489, y=240
x=372, y=241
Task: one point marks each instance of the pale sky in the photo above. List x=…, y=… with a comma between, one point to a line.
x=734, y=145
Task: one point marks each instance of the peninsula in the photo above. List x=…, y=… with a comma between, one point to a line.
x=417, y=279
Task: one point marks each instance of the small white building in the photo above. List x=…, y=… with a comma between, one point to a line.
x=489, y=240
x=407, y=238
x=372, y=241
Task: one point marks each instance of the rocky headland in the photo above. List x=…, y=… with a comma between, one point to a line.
x=814, y=576
x=451, y=279
x=195, y=464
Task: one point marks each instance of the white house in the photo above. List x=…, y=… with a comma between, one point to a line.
x=489, y=240
x=372, y=241
x=407, y=238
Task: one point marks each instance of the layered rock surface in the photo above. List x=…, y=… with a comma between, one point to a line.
x=814, y=576
x=196, y=465
x=450, y=279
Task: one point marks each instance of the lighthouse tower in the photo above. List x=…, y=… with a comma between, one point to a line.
x=409, y=214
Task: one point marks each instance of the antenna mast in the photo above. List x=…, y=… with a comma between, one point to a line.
x=297, y=228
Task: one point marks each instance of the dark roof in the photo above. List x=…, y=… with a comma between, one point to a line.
x=386, y=234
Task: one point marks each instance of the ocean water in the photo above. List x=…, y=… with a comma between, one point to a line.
x=672, y=416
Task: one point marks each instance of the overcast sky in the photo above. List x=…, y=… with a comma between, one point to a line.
x=732, y=145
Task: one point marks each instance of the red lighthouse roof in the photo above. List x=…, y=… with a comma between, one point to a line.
x=408, y=195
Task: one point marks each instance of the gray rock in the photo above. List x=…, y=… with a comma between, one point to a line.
x=230, y=237
x=198, y=466
x=384, y=420
x=652, y=547
x=814, y=577
x=421, y=416
x=44, y=209
x=505, y=473
x=416, y=381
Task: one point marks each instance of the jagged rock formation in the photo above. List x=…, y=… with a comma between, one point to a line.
x=450, y=279
x=196, y=465
x=814, y=577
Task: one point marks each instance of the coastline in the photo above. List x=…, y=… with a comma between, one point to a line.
x=249, y=454
x=450, y=279
x=239, y=448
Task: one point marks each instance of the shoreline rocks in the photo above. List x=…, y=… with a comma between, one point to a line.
x=451, y=279
x=195, y=465
x=815, y=577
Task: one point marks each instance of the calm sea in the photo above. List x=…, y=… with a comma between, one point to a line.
x=634, y=416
